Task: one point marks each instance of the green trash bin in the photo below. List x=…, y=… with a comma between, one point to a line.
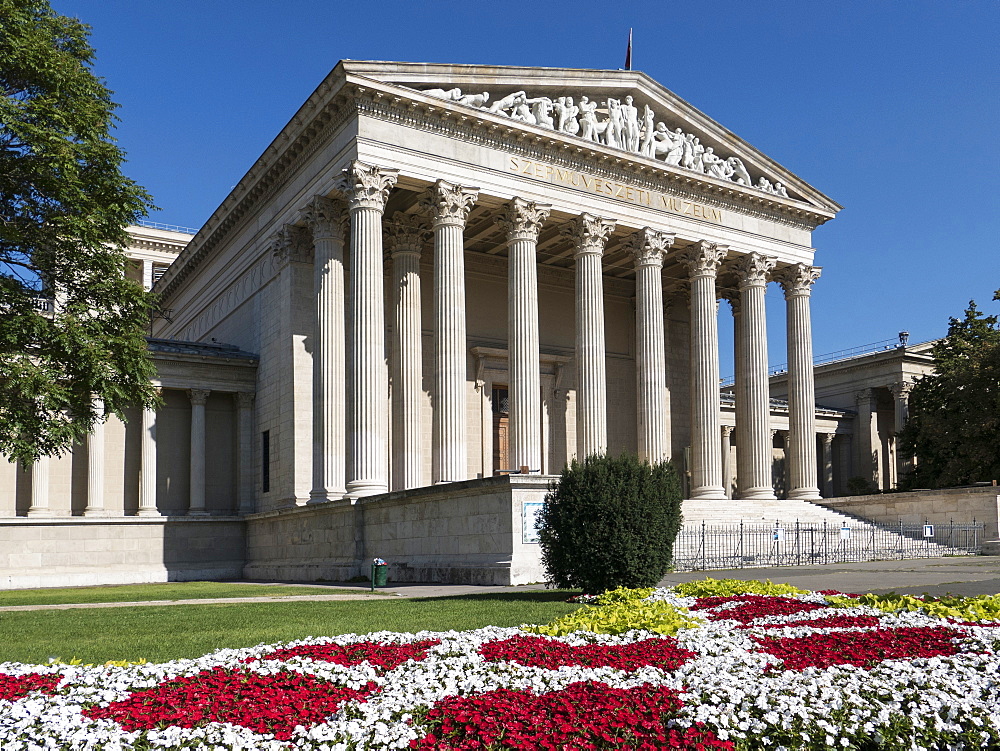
x=380, y=573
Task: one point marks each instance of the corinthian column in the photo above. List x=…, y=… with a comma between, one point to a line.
x=702, y=261
x=449, y=206
x=197, y=488
x=147, y=466
x=648, y=247
x=753, y=431
x=95, y=465
x=39, y=487
x=405, y=236
x=326, y=218
x=367, y=189
x=522, y=220
x=797, y=281
x=589, y=235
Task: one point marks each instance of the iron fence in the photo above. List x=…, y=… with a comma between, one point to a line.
x=759, y=545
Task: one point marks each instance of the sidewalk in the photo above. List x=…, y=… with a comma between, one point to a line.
x=966, y=576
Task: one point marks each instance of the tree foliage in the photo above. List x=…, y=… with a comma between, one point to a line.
x=64, y=207
x=610, y=522
x=954, y=424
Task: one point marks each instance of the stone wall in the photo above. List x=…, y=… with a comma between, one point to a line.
x=465, y=532
x=88, y=551
x=961, y=505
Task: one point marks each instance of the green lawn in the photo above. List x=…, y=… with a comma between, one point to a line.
x=169, y=632
x=166, y=591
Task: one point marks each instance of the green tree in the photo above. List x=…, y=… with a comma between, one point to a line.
x=954, y=424
x=610, y=522
x=64, y=207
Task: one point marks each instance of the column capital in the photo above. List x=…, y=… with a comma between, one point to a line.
x=405, y=233
x=291, y=243
x=448, y=203
x=325, y=217
x=523, y=220
x=864, y=397
x=797, y=280
x=703, y=258
x=727, y=430
x=244, y=399
x=828, y=438
x=588, y=233
x=901, y=389
x=366, y=186
x=198, y=396
x=753, y=269
x=648, y=246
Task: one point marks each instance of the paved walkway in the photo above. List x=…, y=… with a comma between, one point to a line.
x=966, y=576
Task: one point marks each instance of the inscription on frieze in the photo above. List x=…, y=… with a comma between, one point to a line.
x=620, y=191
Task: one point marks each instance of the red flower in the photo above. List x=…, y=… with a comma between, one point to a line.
x=538, y=652
x=263, y=703
x=384, y=656
x=586, y=715
x=14, y=687
x=751, y=607
x=861, y=648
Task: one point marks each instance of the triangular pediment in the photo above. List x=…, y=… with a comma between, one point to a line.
x=622, y=110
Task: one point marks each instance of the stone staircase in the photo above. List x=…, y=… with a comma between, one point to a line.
x=739, y=533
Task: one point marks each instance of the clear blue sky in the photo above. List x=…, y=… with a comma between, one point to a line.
x=890, y=108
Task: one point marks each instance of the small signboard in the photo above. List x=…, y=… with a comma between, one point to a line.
x=529, y=521
x=845, y=533
x=779, y=534
x=928, y=530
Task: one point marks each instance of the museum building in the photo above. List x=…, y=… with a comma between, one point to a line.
x=435, y=287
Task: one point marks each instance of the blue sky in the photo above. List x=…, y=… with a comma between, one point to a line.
x=890, y=108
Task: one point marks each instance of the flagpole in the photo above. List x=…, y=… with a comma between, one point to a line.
x=628, y=52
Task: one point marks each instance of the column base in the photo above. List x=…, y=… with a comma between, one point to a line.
x=39, y=512
x=758, y=494
x=319, y=496
x=97, y=512
x=709, y=493
x=362, y=488
x=199, y=512
x=148, y=512
x=804, y=494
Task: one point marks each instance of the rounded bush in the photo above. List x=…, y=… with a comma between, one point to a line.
x=610, y=522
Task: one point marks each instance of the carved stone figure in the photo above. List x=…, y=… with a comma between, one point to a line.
x=541, y=109
x=473, y=100
x=715, y=165
x=566, y=113
x=630, y=136
x=613, y=129
x=779, y=189
x=522, y=110
x=500, y=106
x=740, y=171
x=588, y=119
x=764, y=184
x=648, y=129
x=451, y=95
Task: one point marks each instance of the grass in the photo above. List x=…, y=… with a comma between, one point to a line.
x=164, y=633
x=167, y=591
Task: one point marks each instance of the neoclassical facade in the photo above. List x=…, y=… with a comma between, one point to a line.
x=449, y=280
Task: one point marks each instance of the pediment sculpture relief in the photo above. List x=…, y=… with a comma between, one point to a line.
x=617, y=124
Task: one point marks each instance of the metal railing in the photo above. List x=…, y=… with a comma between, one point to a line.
x=169, y=227
x=759, y=545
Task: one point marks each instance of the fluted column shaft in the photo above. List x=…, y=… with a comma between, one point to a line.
x=367, y=189
x=406, y=235
x=739, y=386
x=703, y=262
x=752, y=392
x=95, y=464
x=901, y=394
x=244, y=485
x=727, y=450
x=828, y=465
x=449, y=206
x=797, y=283
x=326, y=217
x=39, y=487
x=197, y=487
x=589, y=235
x=522, y=221
x=648, y=247
x=147, y=469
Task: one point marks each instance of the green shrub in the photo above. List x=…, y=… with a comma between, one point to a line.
x=610, y=522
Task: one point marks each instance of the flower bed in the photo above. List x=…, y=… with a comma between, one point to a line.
x=716, y=668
